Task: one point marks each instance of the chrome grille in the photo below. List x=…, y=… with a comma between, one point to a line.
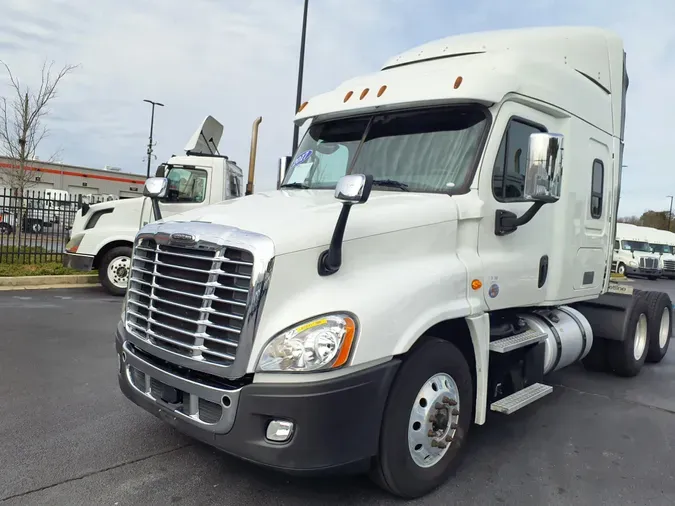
x=648, y=263
x=189, y=301
x=669, y=265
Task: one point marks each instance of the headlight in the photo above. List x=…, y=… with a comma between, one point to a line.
x=633, y=263
x=74, y=243
x=321, y=343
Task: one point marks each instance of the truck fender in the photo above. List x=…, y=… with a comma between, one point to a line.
x=479, y=328
x=607, y=314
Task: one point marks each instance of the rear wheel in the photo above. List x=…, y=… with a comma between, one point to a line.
x=6, y=229
x=114, y=270
x=426, y=421
x=659, y=325
x=627, y=357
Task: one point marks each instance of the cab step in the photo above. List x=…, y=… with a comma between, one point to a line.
x=521, y=398
x=531, y=336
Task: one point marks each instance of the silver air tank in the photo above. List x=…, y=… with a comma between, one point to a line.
x=568, y=335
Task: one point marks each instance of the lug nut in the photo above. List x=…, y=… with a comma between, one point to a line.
x=438, y=405
x=431, y=433
x=453, y=426
x=449, y=402
x=455, y=412
x=449, y=438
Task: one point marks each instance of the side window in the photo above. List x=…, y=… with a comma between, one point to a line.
x=616, y=245
x=597, y=183
x=186, y=185
x=508, y=175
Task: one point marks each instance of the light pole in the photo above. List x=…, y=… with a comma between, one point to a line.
x=298, y=97
x=152, y=124
x=670, y=213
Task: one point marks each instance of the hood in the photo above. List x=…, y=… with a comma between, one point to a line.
x=302, y=219
x=645, y=254
x=127, y=213
x=126, y=204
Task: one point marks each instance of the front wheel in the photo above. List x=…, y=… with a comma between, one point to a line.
x=621, y=270
x=114, y=270
x=426, y=421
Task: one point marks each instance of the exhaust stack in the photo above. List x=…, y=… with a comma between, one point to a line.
x=251, y=160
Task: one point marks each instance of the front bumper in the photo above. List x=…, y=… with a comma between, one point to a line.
x=667, y=273
x=78, y=262
x=336, y=421
x=640, y=271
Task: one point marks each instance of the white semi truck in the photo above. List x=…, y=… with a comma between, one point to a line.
x=102, y=235
x=633, y=255
x=662, y=243
x=430, y=256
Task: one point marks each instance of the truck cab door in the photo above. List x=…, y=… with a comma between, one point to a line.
x=516, y=265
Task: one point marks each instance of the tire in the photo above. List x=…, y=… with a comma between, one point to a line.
x=394, y=468
x=660, y=318
x=652, y=278
x=596, y=360
x=6, y=229
x=621, y=355
x=110, y=271
x=621, y=269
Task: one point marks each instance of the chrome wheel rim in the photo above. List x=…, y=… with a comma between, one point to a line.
x=433, y=420
x=664, y=329
x=640, y=338
x=118, y=271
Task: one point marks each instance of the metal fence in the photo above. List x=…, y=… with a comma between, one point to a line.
x=34, y=227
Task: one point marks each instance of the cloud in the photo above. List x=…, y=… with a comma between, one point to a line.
x=238, y=60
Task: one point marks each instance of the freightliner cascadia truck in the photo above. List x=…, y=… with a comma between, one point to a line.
x=440, y=242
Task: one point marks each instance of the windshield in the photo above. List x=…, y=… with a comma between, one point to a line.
x=432, y=150
x=636, y=246
x=661, y=248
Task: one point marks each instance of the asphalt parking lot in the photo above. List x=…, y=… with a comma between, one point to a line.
x=68, y=436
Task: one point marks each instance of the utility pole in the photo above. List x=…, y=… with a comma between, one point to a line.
x=152, y=124
x=298, y=98
x=670, y=213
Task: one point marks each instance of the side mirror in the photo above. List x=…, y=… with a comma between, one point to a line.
x=161, y=170
x=284, y=162
x=543, y=181
x=156, y=187
x=350, y=190
x=543, y=175
x=354, y=189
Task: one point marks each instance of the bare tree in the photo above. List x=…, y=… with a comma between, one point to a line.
x=22, y=125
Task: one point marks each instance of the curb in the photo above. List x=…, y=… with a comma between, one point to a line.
x=30, y=282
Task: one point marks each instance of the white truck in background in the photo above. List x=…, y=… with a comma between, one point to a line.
x=102, y=234
x=662, y=243
x=633, y=255
x=429, y=256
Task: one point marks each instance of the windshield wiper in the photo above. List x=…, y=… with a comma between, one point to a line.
x=302, y=186
x=391, y=183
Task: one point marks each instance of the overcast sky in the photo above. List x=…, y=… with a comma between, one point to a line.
x=237, y=60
